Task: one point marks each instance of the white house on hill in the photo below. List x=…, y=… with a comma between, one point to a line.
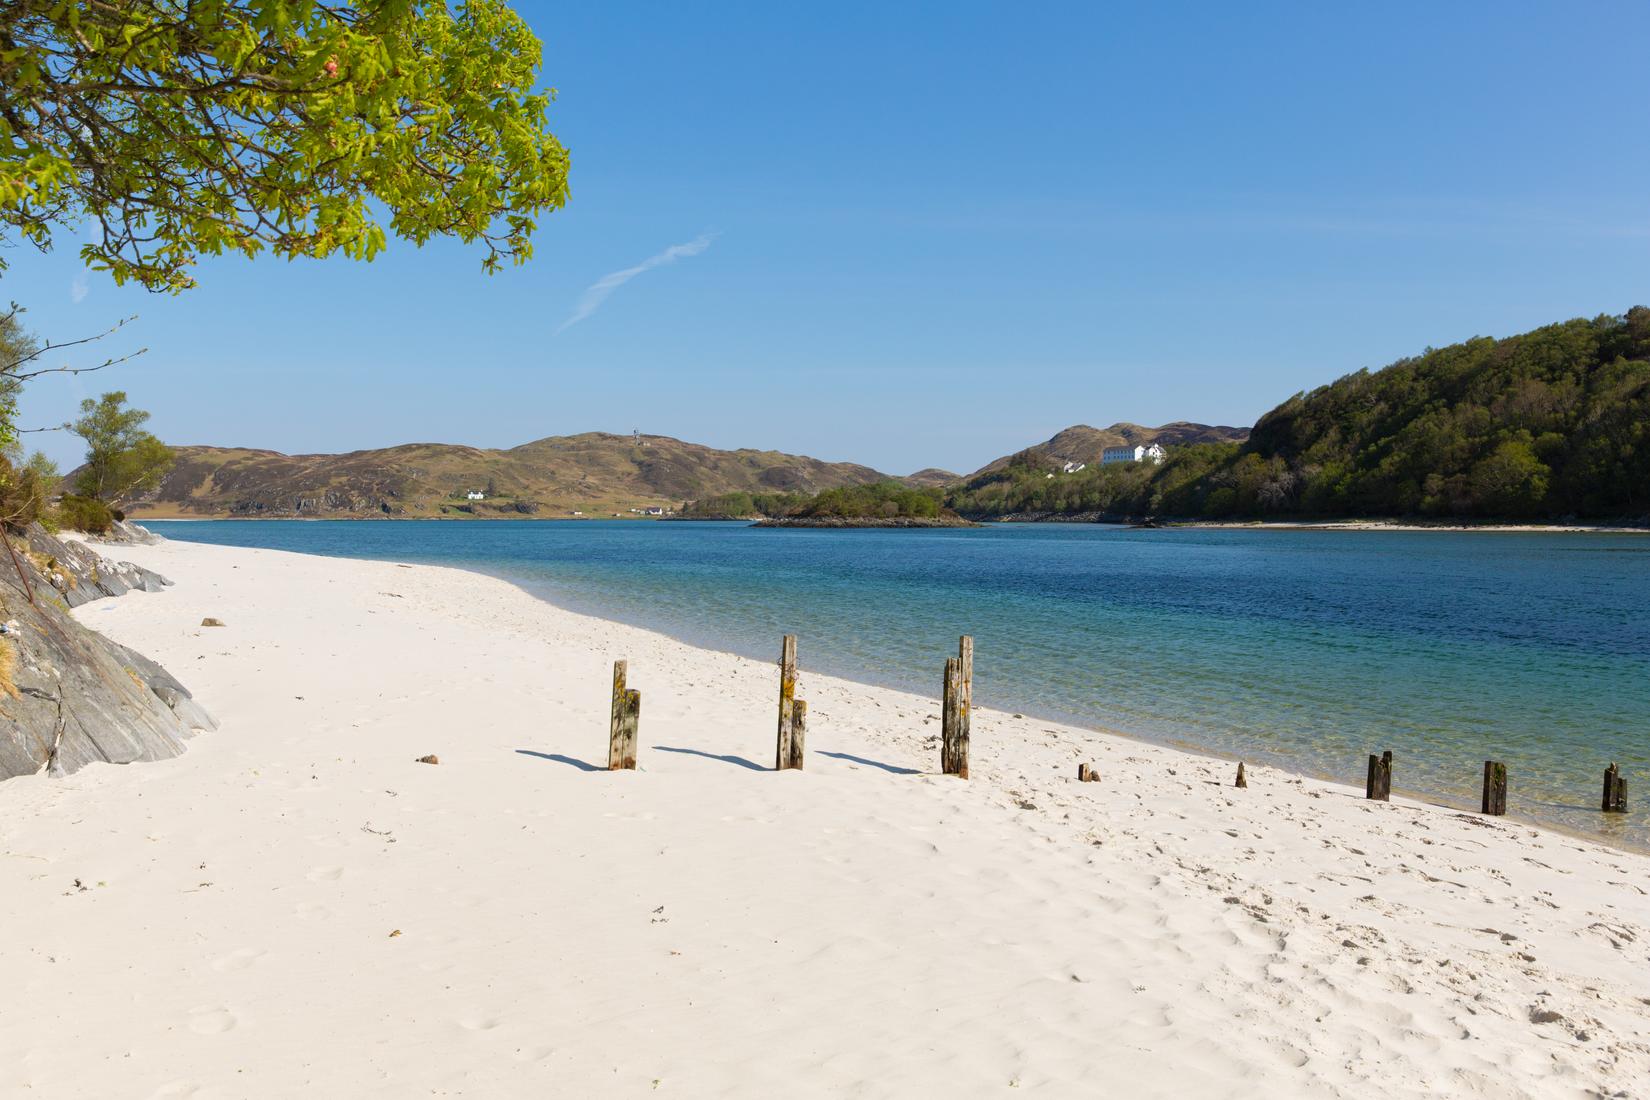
x=1152, y=454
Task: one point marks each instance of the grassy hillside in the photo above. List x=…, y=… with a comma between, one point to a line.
x=595, y=473
x=1551, y=424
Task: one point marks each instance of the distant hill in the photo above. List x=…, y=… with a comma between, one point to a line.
x=1552, y=424
x=1082, y=443
x=932, y=476
x=595, y=473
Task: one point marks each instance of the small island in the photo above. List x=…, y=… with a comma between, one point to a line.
x=880, y=504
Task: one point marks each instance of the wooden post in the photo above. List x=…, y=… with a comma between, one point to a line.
x=1495, y=788
x=632, y=723
x=965, y=699
x=623, y=720
x=1615, y=791
x=799, y=733
x=787, y=699
x=1242, y=780
x=1379, y=786
x=953, y=738
x=1086, y=773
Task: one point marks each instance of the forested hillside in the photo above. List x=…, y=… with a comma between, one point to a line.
x=1551, y=424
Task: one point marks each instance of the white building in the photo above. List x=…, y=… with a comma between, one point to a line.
x=1074, y=467
x=1152, y=454
x=475, y=495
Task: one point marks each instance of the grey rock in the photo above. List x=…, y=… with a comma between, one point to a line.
x=127, y=532
x=80, y=573
x=79, y=697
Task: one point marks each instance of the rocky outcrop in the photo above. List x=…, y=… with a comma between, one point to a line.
x=81, y=575
x=68, y=695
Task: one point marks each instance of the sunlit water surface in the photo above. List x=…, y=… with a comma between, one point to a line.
x=1306, y=649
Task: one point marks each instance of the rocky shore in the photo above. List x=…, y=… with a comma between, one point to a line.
x=68, y=695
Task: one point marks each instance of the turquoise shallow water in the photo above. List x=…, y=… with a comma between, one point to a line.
x=1306, y=649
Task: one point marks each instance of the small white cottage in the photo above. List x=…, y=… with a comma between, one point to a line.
x=1152, y=454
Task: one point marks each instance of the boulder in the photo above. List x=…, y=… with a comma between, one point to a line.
x=68, y=695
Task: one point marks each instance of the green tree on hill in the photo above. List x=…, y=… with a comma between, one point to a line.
x=121, y=457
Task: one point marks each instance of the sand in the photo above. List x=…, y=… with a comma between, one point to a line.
x=297, y=907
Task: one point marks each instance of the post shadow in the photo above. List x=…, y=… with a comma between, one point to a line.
x=582, y=765
x=851, y=758
x=738, y=761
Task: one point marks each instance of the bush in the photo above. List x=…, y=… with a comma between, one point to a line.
x=24, y=486
x=86, y=514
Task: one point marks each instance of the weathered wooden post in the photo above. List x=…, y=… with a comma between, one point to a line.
x=1615, y=791
x=1379, y=786
x=1495, y=788
x=953, y=739
x=623, y=720
x=799, y=733
x=965, y=701
x=787, y=702
x=1242, y=779
x=1088, y=773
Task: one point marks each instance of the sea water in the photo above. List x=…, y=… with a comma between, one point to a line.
x=1307, y=649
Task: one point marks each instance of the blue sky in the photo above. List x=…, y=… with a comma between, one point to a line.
x=913, y=235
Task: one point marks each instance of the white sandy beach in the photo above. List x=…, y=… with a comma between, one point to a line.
x=296, y=907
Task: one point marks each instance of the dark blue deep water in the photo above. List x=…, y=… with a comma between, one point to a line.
x=1308, y=649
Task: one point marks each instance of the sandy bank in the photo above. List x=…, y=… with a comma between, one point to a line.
x=224, y=924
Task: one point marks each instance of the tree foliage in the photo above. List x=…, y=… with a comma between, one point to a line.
x=25, y=486
x=1550, y=424
x=882, y=500
x=183, y=128
x=17, y=346
x=121, y=457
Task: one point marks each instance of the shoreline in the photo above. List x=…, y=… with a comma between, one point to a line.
x=1095, y=519
x=1464, y=802
x=511, y=920
x=1386, y=525
x=1207, y=753
x=1084, y=518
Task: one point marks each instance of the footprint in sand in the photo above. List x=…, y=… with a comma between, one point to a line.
x=310, y=910
x=176, y=1090
x=211, y=1020
x=487, y=1024
x=325, y=874
x=239, y=959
